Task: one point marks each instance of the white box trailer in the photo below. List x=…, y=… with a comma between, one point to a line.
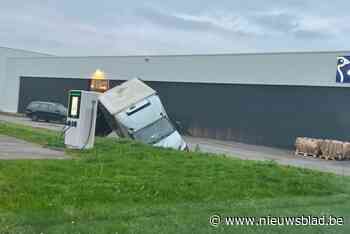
x=134, y=110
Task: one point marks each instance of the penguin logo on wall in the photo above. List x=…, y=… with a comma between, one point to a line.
x=343, y=69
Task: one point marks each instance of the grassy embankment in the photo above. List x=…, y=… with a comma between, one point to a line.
x=127, y=187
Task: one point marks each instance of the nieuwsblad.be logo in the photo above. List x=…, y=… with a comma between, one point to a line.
x=343, y=69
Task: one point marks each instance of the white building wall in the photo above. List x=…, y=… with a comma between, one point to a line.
x=305, y=69
x=6, y=53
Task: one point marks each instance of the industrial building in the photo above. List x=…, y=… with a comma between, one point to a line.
x=264, y=99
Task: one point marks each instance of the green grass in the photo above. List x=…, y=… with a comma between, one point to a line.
x=126, y=187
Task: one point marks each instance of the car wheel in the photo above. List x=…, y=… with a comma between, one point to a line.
x=35, y=117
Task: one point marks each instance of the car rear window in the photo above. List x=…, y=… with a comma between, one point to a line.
x=47, y=106
x=43, y=107
x=61, y=107
x=51, y=107
x=33, y=105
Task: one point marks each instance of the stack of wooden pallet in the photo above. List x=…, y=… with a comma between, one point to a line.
x=326, y=149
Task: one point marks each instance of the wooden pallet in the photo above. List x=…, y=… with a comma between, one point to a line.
x=305, y=154
x=323, y=149
x=337, y=158
x=325, y=157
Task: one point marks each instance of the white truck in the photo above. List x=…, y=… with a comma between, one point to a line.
x=134, y=110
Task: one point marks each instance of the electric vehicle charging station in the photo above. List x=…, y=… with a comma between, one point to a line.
x=81, y=119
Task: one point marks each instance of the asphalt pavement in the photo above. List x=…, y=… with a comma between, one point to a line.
x=12, y=148
x=28, y=122
x=280, y=156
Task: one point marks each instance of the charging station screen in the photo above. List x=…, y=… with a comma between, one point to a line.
x=74, y=107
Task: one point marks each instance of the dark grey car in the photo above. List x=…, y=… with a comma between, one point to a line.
x=47, y=111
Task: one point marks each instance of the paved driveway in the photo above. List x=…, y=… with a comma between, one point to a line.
x=29, y=122
x=12, y=148
x=253, y=152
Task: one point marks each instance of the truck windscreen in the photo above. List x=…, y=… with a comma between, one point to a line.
x=154, y=132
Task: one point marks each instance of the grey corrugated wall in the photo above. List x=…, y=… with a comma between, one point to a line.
x=257, y=114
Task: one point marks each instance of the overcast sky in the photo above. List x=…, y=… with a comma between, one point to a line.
x=114, y=27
